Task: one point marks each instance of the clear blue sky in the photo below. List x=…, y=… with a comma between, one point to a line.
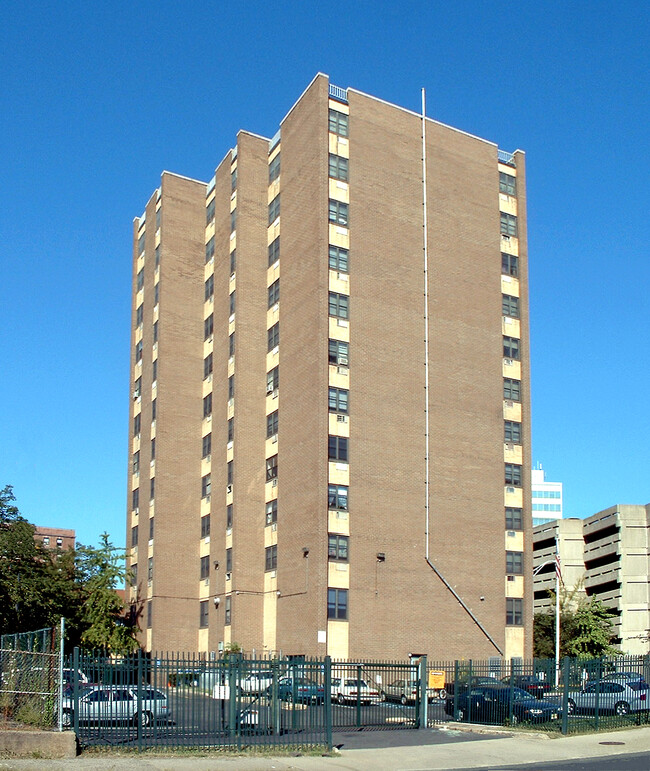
x=96, y=99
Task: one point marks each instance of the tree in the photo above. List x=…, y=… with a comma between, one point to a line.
x=102, y=570
x=585, y=627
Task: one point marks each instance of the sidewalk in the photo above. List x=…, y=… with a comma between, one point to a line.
x=450, y=751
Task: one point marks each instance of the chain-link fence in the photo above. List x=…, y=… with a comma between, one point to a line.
x=31, y=678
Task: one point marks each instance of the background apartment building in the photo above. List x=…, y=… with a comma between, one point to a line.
x=546, y=497
x=294, y=486
x=606, y=556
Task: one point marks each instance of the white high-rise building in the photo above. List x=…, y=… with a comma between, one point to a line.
x=547, y=497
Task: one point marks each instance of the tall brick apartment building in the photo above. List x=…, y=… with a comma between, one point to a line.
x=325, y=458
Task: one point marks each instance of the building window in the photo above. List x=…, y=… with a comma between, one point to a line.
x=231, y=429
x=209, y=212
x=154, y=370
x=138, y=351
x=229, y=472
x=511, y=389
x=207, y=445
x=140, y=280
x=150, y=569
x=205, y=526
x=134, y=574
x=339, y=305
x=149, y=613
x=514, y=518
x=338, y=259
x=508, y=224
x=338, y=123
x=205, y=568
x=274, y=251
x=274, y=209
x=154, y=403
x=46, y=540
x=209, y=288
x=515, y=563
x=208, y=327
x=137, y=388
x=206, y=486
x=153, y=449
x=272, y=424
x=273, y=336
x=59, y=542
x=274, y=293
x=274, y=169
x=513, y=474
x=229, y=516
x=510, y=306
x=338, y=400
x=272, y=512
x=233, y=261
x=337, y=604
x=339, y=353
x=271, y=555
x=337, y=548
x=338, y=167
x=231, y=344
x=512, y=432
x=337, y=497
x=141, y=244
x=204, y=609
x=337, y=448
x=233, y=180
x=271, y=468
x=231, y=387
x=511, y=347
x=227, y=616
x=233, y=220
x=139, y=315
x=155, y=331
x=151, y=528
x=209, y=250
x=507, y=183
x=229, y=560
x=136, y=462
x=157, y=258
x=232, y=303
x=207, y=366
x=137, y=419
x=134, y=535
x=338, y=212
x=509, y=264
x=156, y=293
x=514, y=612
x=272, y=380
x=158, y=216
x=207, y=406
x=152, y=488
x=135, y=499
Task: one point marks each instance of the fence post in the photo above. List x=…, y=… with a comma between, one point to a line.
x=565, y=694
x=276, y=708
x=328, y=700
x=232, y=697
x=139, y=700
x=423, y=698
x=75, y=690
x=456, y=685
x=60, y=688
x=511, y=696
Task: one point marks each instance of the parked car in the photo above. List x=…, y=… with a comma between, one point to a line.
x=403, y=691
x=350, y=689
x=530, y=683
x=117, y=704
x=256, y=682
x=617, y=696
x=492, y=704
x=302, y=688
x=472, y=682
x=635, y=676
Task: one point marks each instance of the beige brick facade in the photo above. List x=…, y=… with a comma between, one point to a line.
x=367, y=556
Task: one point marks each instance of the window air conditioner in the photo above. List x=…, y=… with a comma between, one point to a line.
x=269, y=388
x=508, y=362
x=228, y=576
x=510, y=489
x=343, y=360
x=274, y=439
x=511, y=533
x=228, y=489
x=207, y=498
x=274, y=526
x=274, y=483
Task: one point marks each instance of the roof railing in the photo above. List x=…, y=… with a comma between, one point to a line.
x=507, y=158
x=341, y=94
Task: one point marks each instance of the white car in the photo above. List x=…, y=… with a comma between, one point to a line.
x=256, y=682
x=350, y=689
x=117, y=704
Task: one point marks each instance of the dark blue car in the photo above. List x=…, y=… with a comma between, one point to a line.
x=300, y=689
x=492, y=704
